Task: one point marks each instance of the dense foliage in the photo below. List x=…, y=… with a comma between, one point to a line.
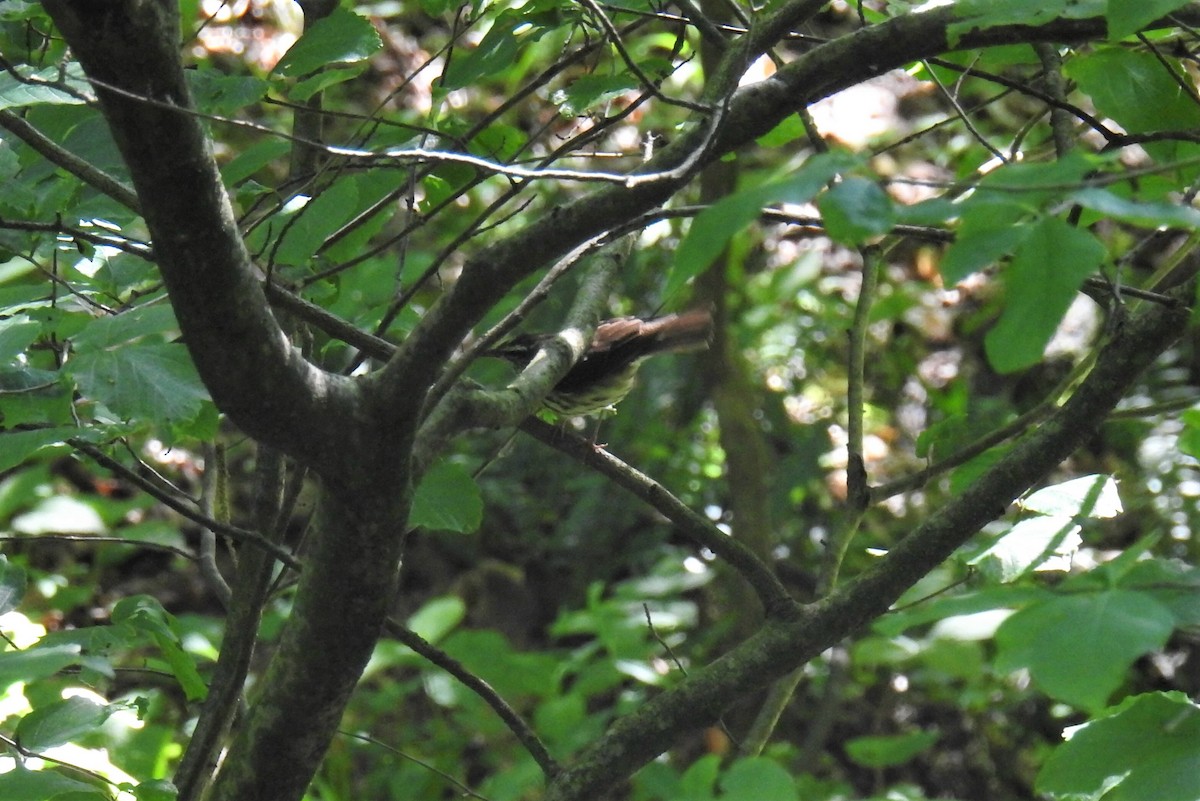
x=917, y=524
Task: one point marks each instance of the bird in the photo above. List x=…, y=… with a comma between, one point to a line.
x=605, y=373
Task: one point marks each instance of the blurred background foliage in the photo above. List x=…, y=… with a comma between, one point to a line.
x=570, y=598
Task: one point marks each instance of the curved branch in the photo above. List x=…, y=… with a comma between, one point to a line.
x=244, y=357
x=516, y=724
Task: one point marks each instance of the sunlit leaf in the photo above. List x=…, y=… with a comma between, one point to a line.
x=1078, y=648
x=1147, y=747
x=60, y=722
x=343, y=37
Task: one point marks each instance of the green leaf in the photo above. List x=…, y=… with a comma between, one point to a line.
x=495, y=52
x=41, y=88
x=32, y=397
x=1078, y=648
x=448, y=499
x=145, y=615
x=889, y=750
x=1046, y=272
x=324, y=79
x=438, y=617
x=791, y=129
x=226, y=95
x=976, y=249
x=758, y=779
x=984, y=14
x=1174, y=584
x=157, y=383
x=254, y=158
x=1146, y=748
x=128, y=326
x=341, y=38
x=712, y=229
x=159, y=790
x=1126, y=17
x=699, y=780
x=590, y=91
x=323, y=215
x=60, y=722
x=855, y=210
x=1044, y=542
x=12, y=585
x=993, y=216
x=1149, y=215
x=1093, y=496
x=488, y=655
x=36, y=663
x=22, y=784
x=1132, y=88
x=1189, y=438
x=16, y=334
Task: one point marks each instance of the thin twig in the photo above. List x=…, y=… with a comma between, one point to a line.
x=232, y=532
x=56, y=154
x=416, y=761
x=514, y=721
x=650, y=85
x=772, y=594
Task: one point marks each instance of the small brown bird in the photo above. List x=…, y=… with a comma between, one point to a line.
x=606, y=372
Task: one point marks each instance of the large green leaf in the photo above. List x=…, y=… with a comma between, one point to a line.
x=1150, y=215
x=155, y=383
x=322, y=215
x=341, y=38
x=1126, y=17
x=16, y=334
x=758, y=779
x=1133, y=88
x=128, y=326
x=1078, y=648
x=488, y=655
x=447, y=499
x=17, y=446
x=983, y=14
x=49, y=86
x=498, y=49
x=22, y=784
x=215, y=93
x=1042, y=280
x=855, y=210
x=883, y=751
x=1146, y=748
x=60, y=722
x=589, y=91
x=36, y=663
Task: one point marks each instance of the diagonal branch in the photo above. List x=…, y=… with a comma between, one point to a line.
x=776, y=601
x=790, y=640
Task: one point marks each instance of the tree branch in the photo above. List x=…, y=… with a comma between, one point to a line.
x=787, y=641
x=245, y=359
